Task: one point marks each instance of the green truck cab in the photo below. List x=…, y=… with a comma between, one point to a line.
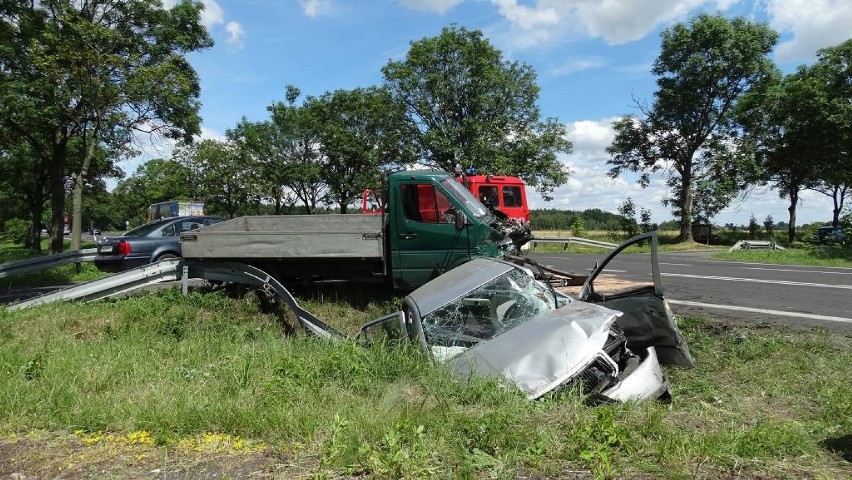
x=431, y=224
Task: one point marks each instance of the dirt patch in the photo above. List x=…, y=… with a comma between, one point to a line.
x=46, y=455
x=607, y=284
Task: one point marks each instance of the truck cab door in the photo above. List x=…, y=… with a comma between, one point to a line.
x=425, y=240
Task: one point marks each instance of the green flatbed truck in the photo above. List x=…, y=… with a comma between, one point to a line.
x=432, y=224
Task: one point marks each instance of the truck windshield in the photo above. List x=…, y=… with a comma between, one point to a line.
x=463, y=196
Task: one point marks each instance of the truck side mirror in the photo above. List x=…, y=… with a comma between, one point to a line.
x=461, y=220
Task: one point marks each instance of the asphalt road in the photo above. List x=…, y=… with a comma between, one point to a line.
x=696, y=284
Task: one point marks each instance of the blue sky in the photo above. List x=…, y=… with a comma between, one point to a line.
x=591, y=56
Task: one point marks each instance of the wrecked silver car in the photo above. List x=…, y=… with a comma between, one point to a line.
x=491, y=318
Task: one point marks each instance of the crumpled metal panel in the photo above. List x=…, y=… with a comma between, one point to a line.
x=542, y=353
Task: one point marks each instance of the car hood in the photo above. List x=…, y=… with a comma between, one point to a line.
x=543, y=352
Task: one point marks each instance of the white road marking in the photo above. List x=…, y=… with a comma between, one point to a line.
x=758, y=280
x=775, y=264
x=676, y=264
x=792, y=270
x=609, y=270
x=761, y=310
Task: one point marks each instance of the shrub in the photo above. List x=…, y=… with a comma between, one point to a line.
x=16, y=230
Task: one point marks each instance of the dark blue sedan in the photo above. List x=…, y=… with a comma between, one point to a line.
x=147, y=243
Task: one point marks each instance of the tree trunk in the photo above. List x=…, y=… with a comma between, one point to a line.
x=835, y=219
x=343, y=207
x=76, y=210
x=36, y=209
x=686, y=196
x=77, y=195
x=56, y=186
x=791, y=225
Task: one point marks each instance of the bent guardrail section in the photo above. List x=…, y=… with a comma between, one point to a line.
x=113, y=285
x=174, y=269
x=755, y=245
x=565, y=241
x=47, y=261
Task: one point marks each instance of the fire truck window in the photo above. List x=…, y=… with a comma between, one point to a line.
x=511, y=196
x=488, y=195
x=422, y=203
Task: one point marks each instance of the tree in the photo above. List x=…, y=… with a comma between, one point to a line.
x=228, y=183
x=769, y=227
x=753, y=227
x=467, y=106
x=628, y=218
x=285, y=152
x=157, y=180
x=834, y=70
x=645, y=224
x=788, y=130
x=23, y=187
x=96, y=70
x=689, y=132
x=359, y=140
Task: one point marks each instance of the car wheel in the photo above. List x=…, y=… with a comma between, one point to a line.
x=166, y=256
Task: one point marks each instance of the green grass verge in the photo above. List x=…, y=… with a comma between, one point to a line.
x=163, y=371
x=54, y=276
x=825, y=256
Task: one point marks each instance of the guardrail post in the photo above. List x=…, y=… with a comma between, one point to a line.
x=184, y=280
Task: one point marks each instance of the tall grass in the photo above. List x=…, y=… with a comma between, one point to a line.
x=172, y=368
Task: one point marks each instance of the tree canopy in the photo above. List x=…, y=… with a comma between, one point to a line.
x=465, y=105
x=690, y=131
x=95, y=71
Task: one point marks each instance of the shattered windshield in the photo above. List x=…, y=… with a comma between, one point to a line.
x=487, y=311
x=465, y=197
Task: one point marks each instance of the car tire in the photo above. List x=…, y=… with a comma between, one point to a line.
x=165, y=256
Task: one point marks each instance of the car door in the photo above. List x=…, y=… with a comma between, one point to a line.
x=426, y=240
x=647, y=320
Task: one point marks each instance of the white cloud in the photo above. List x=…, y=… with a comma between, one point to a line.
x=235, y=34
x=579, y=65
x=615, y=21
x=814, y=24
x=315, y=8
x=589, y=186
x=212, y=16
x=544, y=14
x=437, y=6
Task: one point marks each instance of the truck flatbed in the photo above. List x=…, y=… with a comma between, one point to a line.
x=288, y=236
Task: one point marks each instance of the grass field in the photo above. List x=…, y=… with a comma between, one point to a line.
x=181, y=386
x=825, y=256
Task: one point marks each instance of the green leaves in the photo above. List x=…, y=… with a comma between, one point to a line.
x=94, y=71
x=465, y=105
x=360, y=137
x=704, y=69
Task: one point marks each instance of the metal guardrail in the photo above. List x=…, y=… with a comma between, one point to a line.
x=565, y=241
x=755, y=245
x=47, y=261
x=166, y=270
x=176, y=268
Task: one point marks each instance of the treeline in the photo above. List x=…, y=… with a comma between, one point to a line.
x=724, y=119
x=80, y=80
x=590, y=219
